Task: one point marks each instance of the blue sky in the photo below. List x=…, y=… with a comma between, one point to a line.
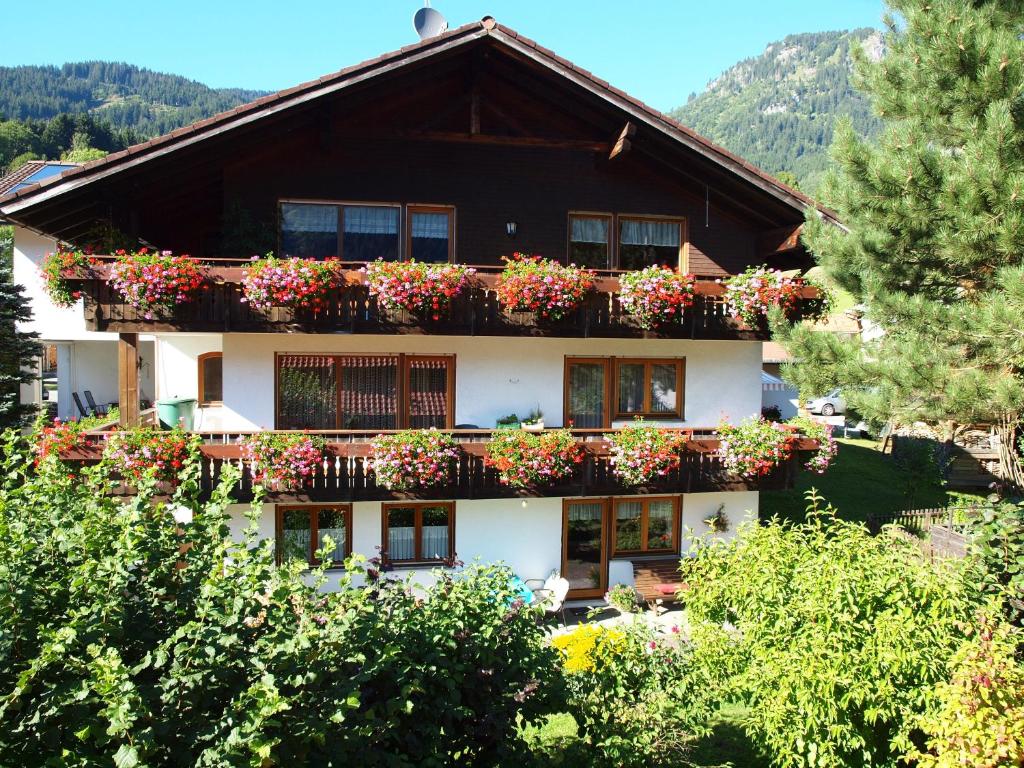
x=658, y=51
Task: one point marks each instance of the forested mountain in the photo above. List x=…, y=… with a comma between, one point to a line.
x=120, y=94
x=778, y=110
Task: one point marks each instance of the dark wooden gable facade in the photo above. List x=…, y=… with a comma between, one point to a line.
x=478, y=119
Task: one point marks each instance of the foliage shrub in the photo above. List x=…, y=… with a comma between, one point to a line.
x=414, y=458
x=997, y=555
x=656, y=296
x=128, y=639
x=835, y=638
x=426, y=290
x=281, y=462
x=979, y=721
x=633, y=695
x=550, y=290
x=525, y=459
x=293, y=283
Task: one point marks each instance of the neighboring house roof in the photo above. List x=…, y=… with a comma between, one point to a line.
x=24, y=198
x=773, y=352
x=31, y=173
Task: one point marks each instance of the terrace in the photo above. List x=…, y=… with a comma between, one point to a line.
x=219, y=308
x=345, y=476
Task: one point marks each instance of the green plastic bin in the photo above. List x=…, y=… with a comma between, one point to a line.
x=177, y=410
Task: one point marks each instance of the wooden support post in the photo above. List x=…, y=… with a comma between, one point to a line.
x=128, y=378
x=622, y=143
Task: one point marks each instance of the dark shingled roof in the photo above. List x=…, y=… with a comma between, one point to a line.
x=466, y=33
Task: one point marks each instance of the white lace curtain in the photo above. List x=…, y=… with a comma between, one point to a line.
x=432, y=225
x=658, y=233
x=371, y=220
x=586, y=230
x=302, y=217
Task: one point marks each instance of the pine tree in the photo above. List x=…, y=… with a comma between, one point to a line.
x=934, y=215
x=18, y=350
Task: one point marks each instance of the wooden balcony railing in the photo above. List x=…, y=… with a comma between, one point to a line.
x=344, y=475
x=219, y=309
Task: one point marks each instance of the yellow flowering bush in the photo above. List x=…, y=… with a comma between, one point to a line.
x=589, y=645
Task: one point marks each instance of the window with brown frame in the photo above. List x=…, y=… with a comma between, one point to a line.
x=647, y=241
x=211, y=378
x=652, y=388
x=302, y=531
x=590, y=240
x=645, y=525
x=365, y=391
x=598, y=389
x=431, y=233
x=420, y=532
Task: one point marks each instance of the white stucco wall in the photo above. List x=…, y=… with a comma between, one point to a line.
x=92, y=365
x=178, y=371
x=51, y=322
x=529, y=539
x=494, y=376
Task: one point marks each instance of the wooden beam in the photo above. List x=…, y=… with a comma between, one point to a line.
x=128, y=378
x=622, y=143
x=779, y=240
x=518, y=141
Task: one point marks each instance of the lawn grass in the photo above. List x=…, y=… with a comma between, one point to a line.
x=862, y=481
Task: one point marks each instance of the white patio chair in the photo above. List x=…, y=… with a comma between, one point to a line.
x=551, y=596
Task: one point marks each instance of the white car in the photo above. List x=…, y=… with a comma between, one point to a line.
x=829, y=405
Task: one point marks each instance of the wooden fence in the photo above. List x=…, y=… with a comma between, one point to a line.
x=941, y=531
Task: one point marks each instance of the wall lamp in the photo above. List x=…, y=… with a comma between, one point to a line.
x=510, y=228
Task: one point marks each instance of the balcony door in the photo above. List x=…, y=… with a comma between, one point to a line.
x=585, y=529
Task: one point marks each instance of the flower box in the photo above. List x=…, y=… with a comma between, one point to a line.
x=545, y=288
x=525, y=459
x=152, y=282
x=414, y=459
x=750, y=295
x=134, y=453
x=425, y=290
x=656, y=296
x=281, y=462
x=55, y=283
x=756, y=447
x=641, y=454
x=291, y=283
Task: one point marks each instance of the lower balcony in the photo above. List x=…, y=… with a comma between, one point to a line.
x=219, y=308
x=344, y=474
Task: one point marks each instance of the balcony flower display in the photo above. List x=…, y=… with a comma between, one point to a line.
x=525, y=459
x=281, y=462
x=755, y=447
x=752, y=293
x=822, y=458
x=426, y=290
x=413, y=459
x=656, y=296
x=546, y=288
x=56, y=439
x=134, y=452
x=151, y=281
x=294, y=283
x=53, y=268
x=641, y=453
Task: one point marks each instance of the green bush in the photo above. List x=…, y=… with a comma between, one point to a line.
x=836, y=639
x=129, y=639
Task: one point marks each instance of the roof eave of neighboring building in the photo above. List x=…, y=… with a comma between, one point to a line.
x=273, y=103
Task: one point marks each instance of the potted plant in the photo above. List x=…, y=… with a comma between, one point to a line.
x=623, y=598
x=413, y=459
x=656, y=296
x=755, y=447
x=282, y=462
x=525, y=459
x=425, y=290
x=718, y=522
x=642, y=453
x=548, y=289
x=293, y=283
x=511, y=421
x=150, y=281
x=534, y=422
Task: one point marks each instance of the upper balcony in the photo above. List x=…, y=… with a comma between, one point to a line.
x=219, y=308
